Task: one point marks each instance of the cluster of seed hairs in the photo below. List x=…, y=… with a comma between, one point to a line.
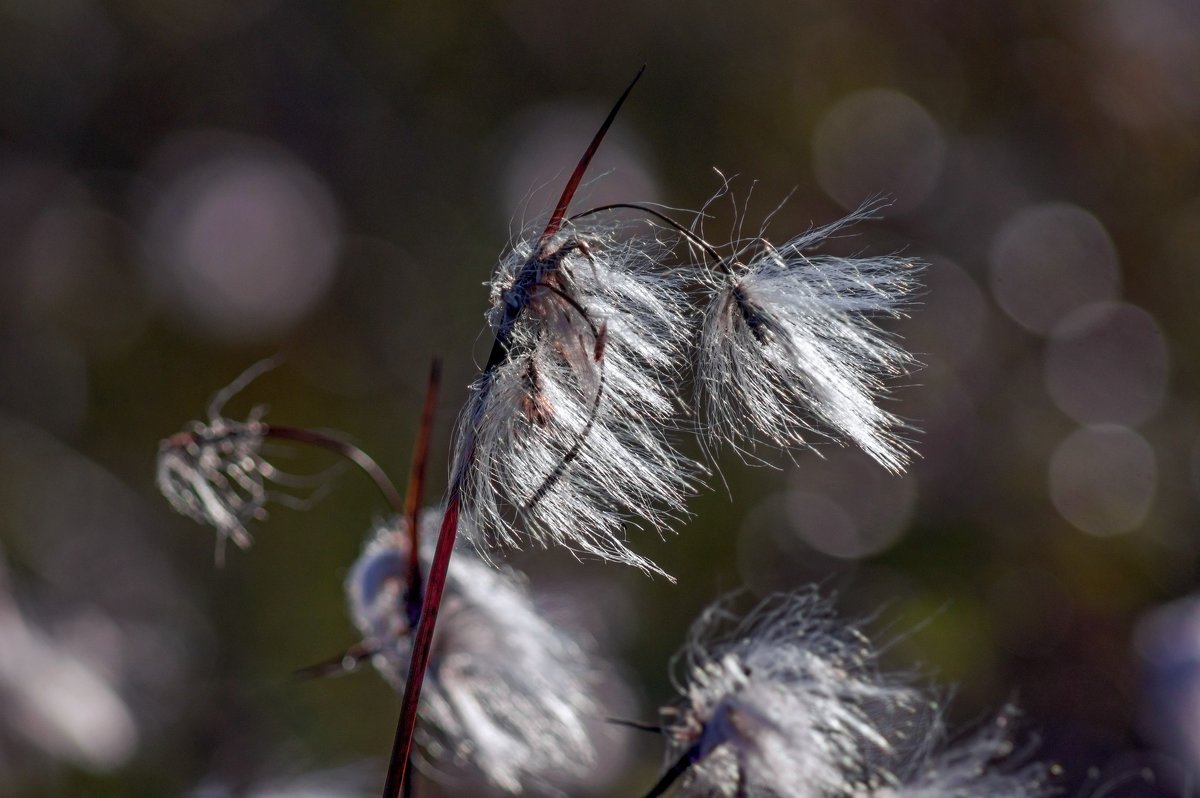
x=789, y=701
x=508, y=693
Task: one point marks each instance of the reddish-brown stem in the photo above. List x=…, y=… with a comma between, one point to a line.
x=422, y=645
x=415, y=495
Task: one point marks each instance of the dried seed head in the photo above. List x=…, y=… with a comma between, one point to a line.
x=215, y=472
x=507, y=693
x=565, y=438
x=788, y=348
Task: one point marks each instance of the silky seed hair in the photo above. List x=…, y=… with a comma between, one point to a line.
x=985, y=764
x=787, y=701
x=789, y=351
x=508, y=694
x=572, y=430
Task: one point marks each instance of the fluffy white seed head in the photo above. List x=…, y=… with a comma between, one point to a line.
x=564, y=441
x=507, y=693
x=788, y=350
x=789, y=702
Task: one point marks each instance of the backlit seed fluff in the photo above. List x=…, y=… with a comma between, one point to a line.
x=507, y=693
x=565, y=440
x=983, y=765
x=786, y=702
x=789, y=702
x=788, y=348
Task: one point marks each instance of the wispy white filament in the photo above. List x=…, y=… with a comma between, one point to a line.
x=789, y=702
x=788, y=348
x=507, y=692
x=569, y=431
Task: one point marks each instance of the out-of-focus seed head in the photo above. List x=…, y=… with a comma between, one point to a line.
x=789, y=702
x=507, y=693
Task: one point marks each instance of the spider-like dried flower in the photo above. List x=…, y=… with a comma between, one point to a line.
x=787, y=702
x=788, y=347
x=568, y=427
x=214, y=472
x=507, y=692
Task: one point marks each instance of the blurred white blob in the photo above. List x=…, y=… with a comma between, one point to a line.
x=543, y=143
x=244, y=238
x=1107, y=362
x=1048, y=260
x=55, y=702
x=58, y=703
x=1103, y=479
x=1167, y=641
x=878, y=142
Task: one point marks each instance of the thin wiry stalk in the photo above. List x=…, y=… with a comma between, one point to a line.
x=673, y=773
x=344, y=449
x=423, y=639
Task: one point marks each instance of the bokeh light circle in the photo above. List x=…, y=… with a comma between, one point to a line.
x=1103, y=479
x=244, y=239
x=1107, y=362
x=1049, y=259
x=878, y=142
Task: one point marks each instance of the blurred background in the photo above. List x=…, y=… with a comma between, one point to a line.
x=186, y=188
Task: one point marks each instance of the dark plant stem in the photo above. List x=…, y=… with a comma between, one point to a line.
x=674, y=772
x=422, y=645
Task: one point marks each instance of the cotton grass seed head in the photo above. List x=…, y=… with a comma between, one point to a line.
x=787, y=701
x=570, y=430
x=507, y=694
x=789, y=350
